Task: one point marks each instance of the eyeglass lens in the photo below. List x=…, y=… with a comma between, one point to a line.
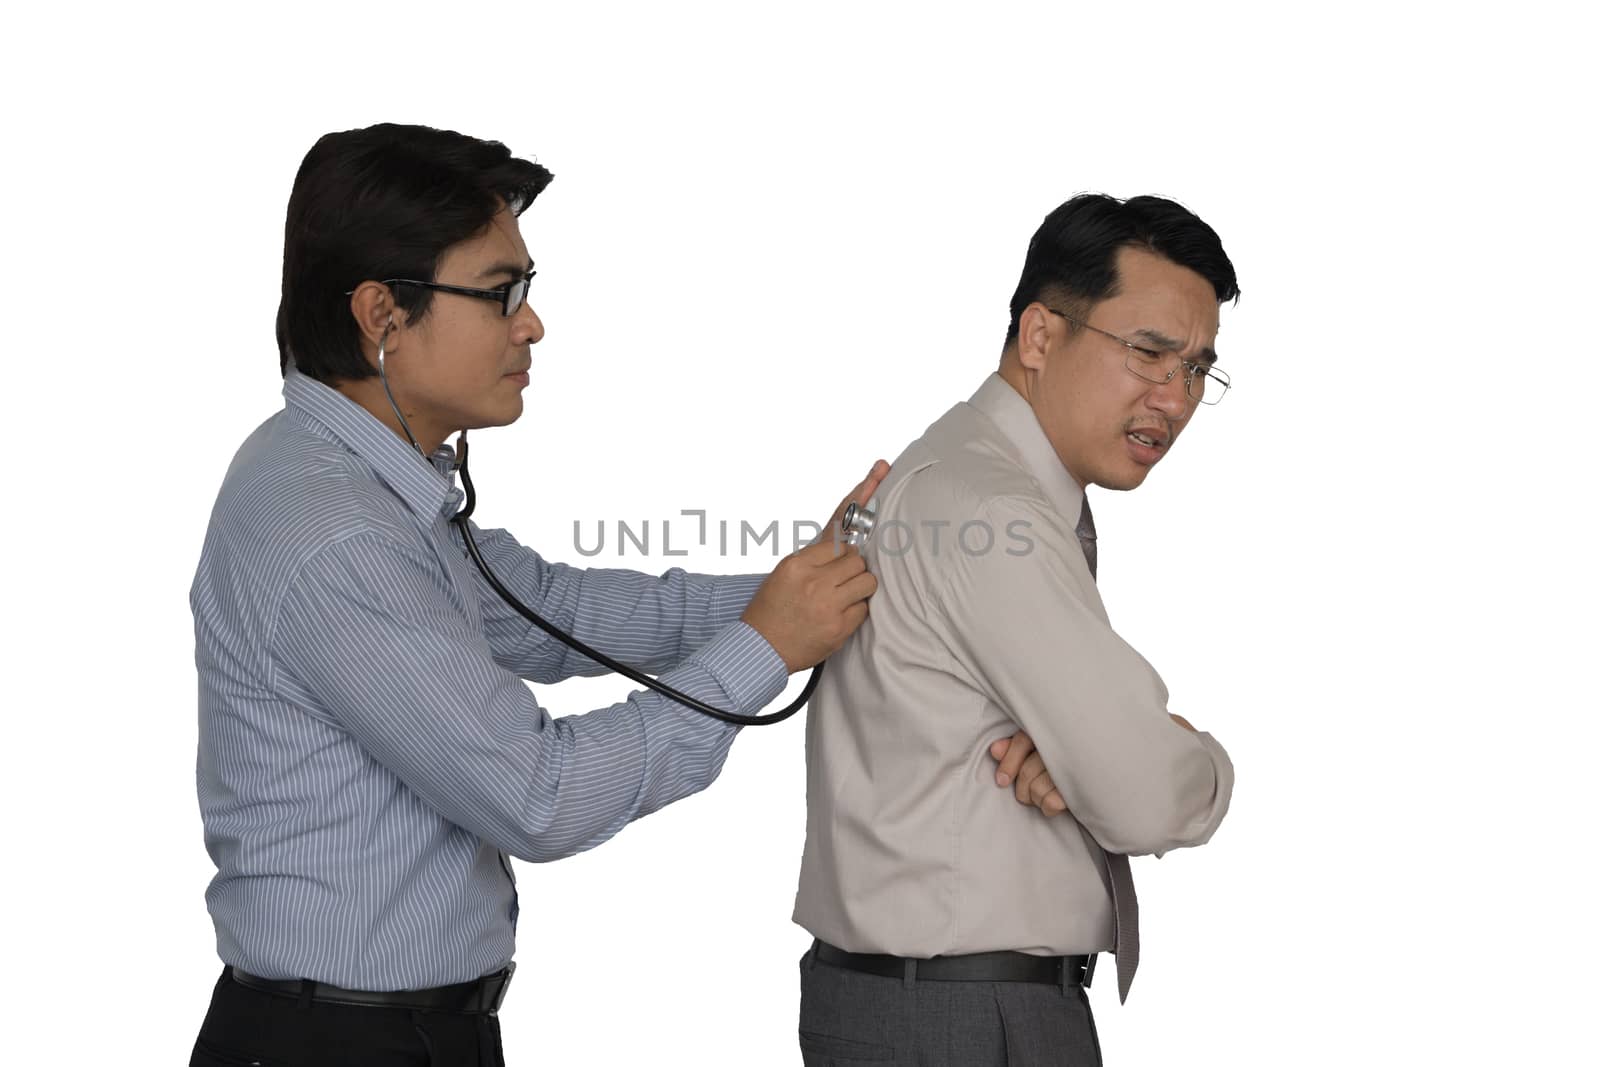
x=1206, y=386
x=515, y=295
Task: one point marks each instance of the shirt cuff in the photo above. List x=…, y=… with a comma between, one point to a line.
x=1224, y=794
x=745, y=665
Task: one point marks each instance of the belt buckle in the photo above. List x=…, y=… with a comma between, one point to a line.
x=1088, y=969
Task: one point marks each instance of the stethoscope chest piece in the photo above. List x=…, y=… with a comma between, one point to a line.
x=857, y=524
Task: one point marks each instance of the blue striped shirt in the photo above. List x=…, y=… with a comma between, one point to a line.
x=368, y=751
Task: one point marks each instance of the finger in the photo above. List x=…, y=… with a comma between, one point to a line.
x=1020, y=745
x=1028, y=780
x=858, y=496
x=1054, y=803
x=869, y=486
x=861, y=493
x=844, y=566
x=859, y=588
x=998, y=751
x=1039, y=783
x=825, y=550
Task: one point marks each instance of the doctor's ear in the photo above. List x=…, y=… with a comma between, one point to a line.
x=373, y=307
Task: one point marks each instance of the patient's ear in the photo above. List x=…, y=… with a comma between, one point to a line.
x=1033, y=336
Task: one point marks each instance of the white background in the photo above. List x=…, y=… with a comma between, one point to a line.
x=779, y=243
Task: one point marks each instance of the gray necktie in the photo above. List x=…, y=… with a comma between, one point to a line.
x=1123, y=899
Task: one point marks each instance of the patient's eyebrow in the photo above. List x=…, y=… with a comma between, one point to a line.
x=1157, y=339
x=1162, y=343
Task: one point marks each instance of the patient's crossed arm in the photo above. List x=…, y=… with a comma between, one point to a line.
x=1022, y=768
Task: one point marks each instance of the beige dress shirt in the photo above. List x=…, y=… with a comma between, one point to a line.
x=986, y=619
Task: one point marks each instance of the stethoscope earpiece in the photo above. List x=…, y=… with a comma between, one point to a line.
x=383, y=374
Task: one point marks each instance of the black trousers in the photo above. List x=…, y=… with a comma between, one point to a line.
x=847, y=1017
x=250, y=1028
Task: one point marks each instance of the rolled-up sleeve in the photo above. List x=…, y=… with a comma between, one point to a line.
x=1025, y=627
x=367, y=632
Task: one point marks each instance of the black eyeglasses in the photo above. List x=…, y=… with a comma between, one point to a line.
x=1203, y=383
x=511, y=295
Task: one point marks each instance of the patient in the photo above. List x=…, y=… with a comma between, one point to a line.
x=952, y=925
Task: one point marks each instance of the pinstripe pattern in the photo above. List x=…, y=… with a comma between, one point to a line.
x=367, y=751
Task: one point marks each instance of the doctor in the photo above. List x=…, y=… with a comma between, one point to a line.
x=369, y=757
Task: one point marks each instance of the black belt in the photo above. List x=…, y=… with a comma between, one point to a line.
x=978, y=967
x=482, y=997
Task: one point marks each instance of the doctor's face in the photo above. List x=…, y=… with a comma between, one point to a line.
x=465, y=364
x=1109, y=427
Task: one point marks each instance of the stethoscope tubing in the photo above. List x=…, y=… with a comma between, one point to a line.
x=631, y=673
x=670, y=692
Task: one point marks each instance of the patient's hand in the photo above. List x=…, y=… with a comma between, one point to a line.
x=1021, y=763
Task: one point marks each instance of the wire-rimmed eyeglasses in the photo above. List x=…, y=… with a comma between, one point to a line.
x=511, y=295
x=1203, y=383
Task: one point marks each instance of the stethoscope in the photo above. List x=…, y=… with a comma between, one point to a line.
x=857, y=526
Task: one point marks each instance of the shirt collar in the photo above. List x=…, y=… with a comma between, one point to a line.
x=1007, y=409
x=428, y=489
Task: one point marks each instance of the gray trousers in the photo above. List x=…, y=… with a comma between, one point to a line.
x=847, y=1017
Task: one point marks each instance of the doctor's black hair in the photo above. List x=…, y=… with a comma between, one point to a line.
x=382, y=202
x=1072, y=257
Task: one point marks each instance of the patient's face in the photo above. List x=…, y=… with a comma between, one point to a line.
x=1108, y=426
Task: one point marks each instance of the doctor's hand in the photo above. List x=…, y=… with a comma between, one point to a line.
x=1020, y=762
x=811, y=602
x=859, y=495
